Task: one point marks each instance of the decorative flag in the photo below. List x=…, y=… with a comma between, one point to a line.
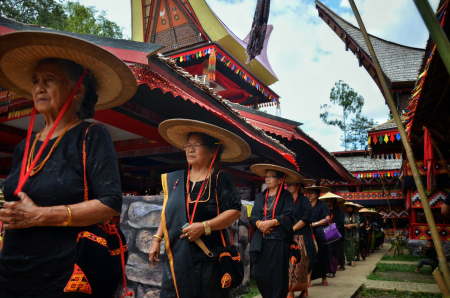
x=380, y=138
x=398, y=136
x=386, y=138
x=258, y=31
x=212, y=67
x=428, y=154
x=392, y=138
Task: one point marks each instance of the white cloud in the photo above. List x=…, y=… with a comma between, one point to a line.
x=308, y=57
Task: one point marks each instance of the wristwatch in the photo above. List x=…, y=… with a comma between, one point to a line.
x=317, y=224
x=207, y=228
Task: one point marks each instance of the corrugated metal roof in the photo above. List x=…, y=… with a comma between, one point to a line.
x=361, y=164
x=400, y=63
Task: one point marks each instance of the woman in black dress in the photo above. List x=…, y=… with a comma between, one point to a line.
x=319, y=217
x=200, y=203
x=337, y=217
x=272, y=220
x=303, y=237
x=44, y=218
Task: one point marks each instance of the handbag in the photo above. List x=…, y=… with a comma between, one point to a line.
x=331, y=233
x=231, y=267
x=101, y=255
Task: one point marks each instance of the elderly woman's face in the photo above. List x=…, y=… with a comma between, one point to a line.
x=349, y=208
x=198, y=154
x=271, y=179
x=51, y=88
x=292, y=188
x=312, y=194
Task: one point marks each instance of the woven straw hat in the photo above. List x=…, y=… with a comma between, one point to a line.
x=309, y=182
x=20, y=53
x=365, y=210
x=331, y=195
x=291, y=176
x=321, y=188
x=176, y=131
x=353, y=204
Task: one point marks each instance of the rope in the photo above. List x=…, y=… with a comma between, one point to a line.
x=440, y=156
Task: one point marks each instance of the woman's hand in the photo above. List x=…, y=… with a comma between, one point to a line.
x=266, y=226
x=153, y=253
x=21, y=214
x=347, y=227
x=194, y=231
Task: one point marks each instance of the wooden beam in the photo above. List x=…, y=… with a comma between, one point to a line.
x=440, y=99
x=347, y=42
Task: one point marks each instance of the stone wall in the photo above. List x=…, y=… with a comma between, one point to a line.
x=140, y=220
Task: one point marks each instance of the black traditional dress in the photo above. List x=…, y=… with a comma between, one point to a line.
x=188, y=271
x=362, y=235
x=351, y=235
x=320, y=211
x=270, y=254
x=39, y=261
x=298, y=273
x=337, y=217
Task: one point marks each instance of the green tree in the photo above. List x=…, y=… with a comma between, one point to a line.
x=351, y=103
x=59, y=15
x=357, y=132
x=46, y=13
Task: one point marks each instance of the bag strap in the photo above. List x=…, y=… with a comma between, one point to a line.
x=218, y=213
x=109, y=228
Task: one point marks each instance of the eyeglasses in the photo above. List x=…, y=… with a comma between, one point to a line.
x=268, y=177
x=194, y=146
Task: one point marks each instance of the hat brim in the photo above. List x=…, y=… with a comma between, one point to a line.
x=321, y=188
x=332, y=196
x=21, y=52
x=176, y=132
x=353, y=205
x=309, y=181
x=291, y=176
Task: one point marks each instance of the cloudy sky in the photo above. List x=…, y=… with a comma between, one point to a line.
x=307, y=56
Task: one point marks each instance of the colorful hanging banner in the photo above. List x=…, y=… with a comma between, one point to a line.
x=376, y=174
x=228, y=62
x=416, y=92
x=385, y=137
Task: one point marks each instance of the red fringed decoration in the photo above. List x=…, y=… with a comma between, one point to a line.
x=212, y=66
x=428, y=157
x=258, y=32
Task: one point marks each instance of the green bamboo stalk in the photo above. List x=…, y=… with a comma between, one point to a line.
x=408, y=149
x=437, y=33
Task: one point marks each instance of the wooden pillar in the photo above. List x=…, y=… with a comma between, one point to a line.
x=255, y=103
x=205, y=67
x=153, y=177
x=142, y=185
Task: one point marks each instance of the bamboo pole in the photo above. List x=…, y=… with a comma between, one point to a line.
x=409, y=152
x=441, y=283
x=437, y=33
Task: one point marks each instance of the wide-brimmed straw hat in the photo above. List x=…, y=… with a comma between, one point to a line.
x=20, y=53
x=331, y=195
x=291, y=176
x=365, y=210
x=309, y=182
x=321, y=188
x=353, y=204
x=176, y=132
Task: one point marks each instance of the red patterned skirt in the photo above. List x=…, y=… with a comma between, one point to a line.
x=298, y=273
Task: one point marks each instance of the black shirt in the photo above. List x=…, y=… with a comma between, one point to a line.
x=40, y=260
x=447, y=199
x=228, y=199
x=431, y=254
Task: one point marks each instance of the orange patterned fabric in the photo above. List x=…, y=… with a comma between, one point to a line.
x=78, y=282
x=226, y=281
x=226, y=254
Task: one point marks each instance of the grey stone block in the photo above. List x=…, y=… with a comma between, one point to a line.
x=144, y=215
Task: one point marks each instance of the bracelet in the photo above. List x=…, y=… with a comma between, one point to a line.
x=207, y=228
x=157, y=237
x=257, y=223
x=277, y=223
x=293, y=229
x=70, y=216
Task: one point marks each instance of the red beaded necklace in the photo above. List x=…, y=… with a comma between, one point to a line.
x=276, y=201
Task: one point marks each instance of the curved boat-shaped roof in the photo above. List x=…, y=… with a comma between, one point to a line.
x=217, y=31
x=400, y=64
